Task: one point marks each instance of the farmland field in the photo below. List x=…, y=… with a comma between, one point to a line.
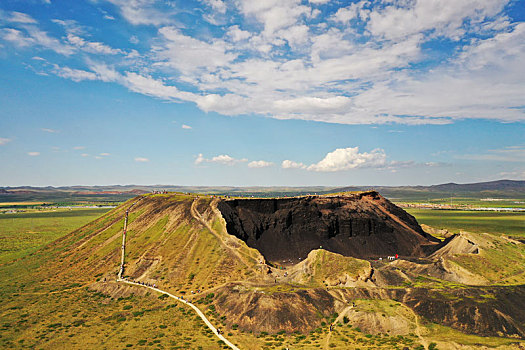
x=509, y=223
x=22, y=233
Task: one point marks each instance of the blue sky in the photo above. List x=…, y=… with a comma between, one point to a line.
x=250, y=92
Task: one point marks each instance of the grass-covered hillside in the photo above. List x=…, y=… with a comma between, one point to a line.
x=64, y=294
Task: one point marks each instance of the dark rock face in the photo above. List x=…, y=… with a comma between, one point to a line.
x=362, y=225
x=490, y=311
x=485, y=311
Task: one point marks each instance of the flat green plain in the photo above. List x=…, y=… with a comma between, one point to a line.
x=509, y=223
x=22, y=233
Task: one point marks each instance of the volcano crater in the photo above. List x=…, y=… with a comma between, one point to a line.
x=363, y=225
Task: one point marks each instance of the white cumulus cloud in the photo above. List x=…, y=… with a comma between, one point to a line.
x=220, y=159
x=346, y=159
x=259, y=164
x=290, y=164
x=350, y=158
x=361, y=62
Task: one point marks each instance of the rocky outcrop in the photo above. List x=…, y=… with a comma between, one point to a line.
x=486, y=311
x=456, y=244
x=491, y=311
x=361, y=225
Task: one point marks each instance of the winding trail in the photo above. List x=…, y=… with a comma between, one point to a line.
x=197, y=310
x=418, y=330
x=201, y=220
x=337, y=320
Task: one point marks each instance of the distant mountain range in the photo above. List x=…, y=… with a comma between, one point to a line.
x=499, y=189
x=500, y=185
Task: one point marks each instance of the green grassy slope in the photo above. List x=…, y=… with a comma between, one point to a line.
x=56, y=297
x=49, y=298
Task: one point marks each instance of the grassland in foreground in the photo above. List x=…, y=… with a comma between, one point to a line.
x=23, y=233
x=34, y=317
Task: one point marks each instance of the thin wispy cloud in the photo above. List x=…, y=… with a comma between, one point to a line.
x=4, y=141
x=79, y=148
x=102, y=155
x=52, y=131
x=20, y=17
x=141, y=160
x=508, y=154
x=187, y=127
x=225, y=159
x=91, y=47
x=518, y=174
x=33, y=154
x=144, y=12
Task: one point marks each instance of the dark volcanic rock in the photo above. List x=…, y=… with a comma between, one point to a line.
x=486, y=311
x=362, y=225
x=490, y=311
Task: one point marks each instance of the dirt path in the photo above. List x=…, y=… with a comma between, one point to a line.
x=337, y=320
x=121, y=270
x=197, y=310
x=200, y=219
x=418, y=330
